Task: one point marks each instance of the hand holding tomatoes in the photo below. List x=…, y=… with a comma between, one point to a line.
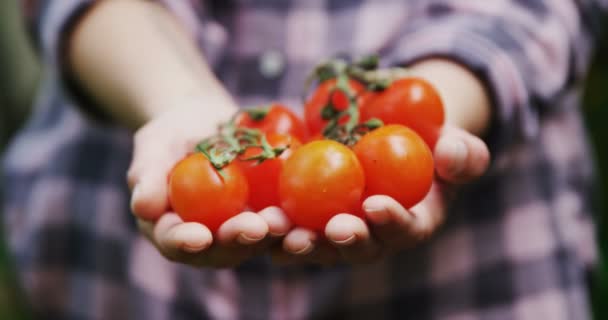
x=366, y=189
x=388, y=226
x=158, y=147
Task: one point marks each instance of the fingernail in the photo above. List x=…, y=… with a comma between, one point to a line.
x=459, y=154
x=377, y=215
x=306, y=250
x=244, y=239
x=134, y=196
x=192, y=249
x=190, y=240
x=346, y=242
x=277, y=234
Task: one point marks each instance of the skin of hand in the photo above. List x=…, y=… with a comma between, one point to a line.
x=460, y=157
x=161, y=86
x=159, y=145
x=174, y=95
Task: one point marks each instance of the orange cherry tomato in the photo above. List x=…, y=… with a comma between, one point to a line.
x=263, y=178
x=275, y=119
x=397, y=163
x=321, y=179
x=199, y=193
x=320, y=98
x=412, y=102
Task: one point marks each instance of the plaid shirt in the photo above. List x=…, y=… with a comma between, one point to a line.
x=516, y=245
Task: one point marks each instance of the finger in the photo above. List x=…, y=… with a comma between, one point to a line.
x=153, y=158
x=173, y=236
x=460, y=156
x=323, y=253
x=277, y=221
x=191, y=243
x=300, y=241
x=278, y=226
x=149, y=199
x=237, y=239
x=352, y=237
x=306, y=246
x=397, y=227
x=245, y=229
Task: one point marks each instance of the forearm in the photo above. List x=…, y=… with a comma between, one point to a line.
x=465, y=99
x=136, y=61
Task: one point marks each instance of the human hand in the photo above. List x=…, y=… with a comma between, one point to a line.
x=460, y=157
x=158, y=146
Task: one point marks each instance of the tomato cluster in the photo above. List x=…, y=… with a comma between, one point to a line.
x=258, y=159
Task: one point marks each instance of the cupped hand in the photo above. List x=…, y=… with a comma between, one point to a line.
x=237, y=239
x=460, y=157
x=158, y=146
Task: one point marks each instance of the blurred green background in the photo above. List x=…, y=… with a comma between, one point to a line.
x=596, y=114
x=21, y=71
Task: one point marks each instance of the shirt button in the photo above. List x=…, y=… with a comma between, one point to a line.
x=271, y=64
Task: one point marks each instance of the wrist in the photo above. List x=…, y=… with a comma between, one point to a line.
x=213, y=107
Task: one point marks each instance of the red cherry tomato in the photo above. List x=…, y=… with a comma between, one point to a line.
x=316, y=137
x=320, y=98
x=263, y=178
x=320, y=179
x=412, y=102
x=397, y=163
x=274, y=119
x=199, y=193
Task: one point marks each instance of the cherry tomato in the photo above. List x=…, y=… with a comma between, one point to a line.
x=263, y=178
x=318, y=136
x=397, y=163
x=199, y=193
x=320, y=98
x=274, y=119
x=321, y=179
x=412, y=102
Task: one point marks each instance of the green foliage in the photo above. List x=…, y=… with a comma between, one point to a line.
x=596, y=114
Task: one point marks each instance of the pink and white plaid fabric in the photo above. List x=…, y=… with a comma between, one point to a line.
x=517, y=243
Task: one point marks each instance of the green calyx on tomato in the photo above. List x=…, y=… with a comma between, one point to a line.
x=232, y=141
x=334, y=108
x=352, y=97
x=274, y=118
x=258, y=113
x=349, y=132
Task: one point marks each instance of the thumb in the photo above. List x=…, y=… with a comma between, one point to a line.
x=148, y=176
x=460, y=156
x=149, y=199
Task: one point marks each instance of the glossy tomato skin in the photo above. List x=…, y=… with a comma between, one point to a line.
x=263, y=178
x=412, y=102
x=318, y=136
x=279, y=119
x=320, y=98
x=321, y=179
x=397, y=163
x=198, y=193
